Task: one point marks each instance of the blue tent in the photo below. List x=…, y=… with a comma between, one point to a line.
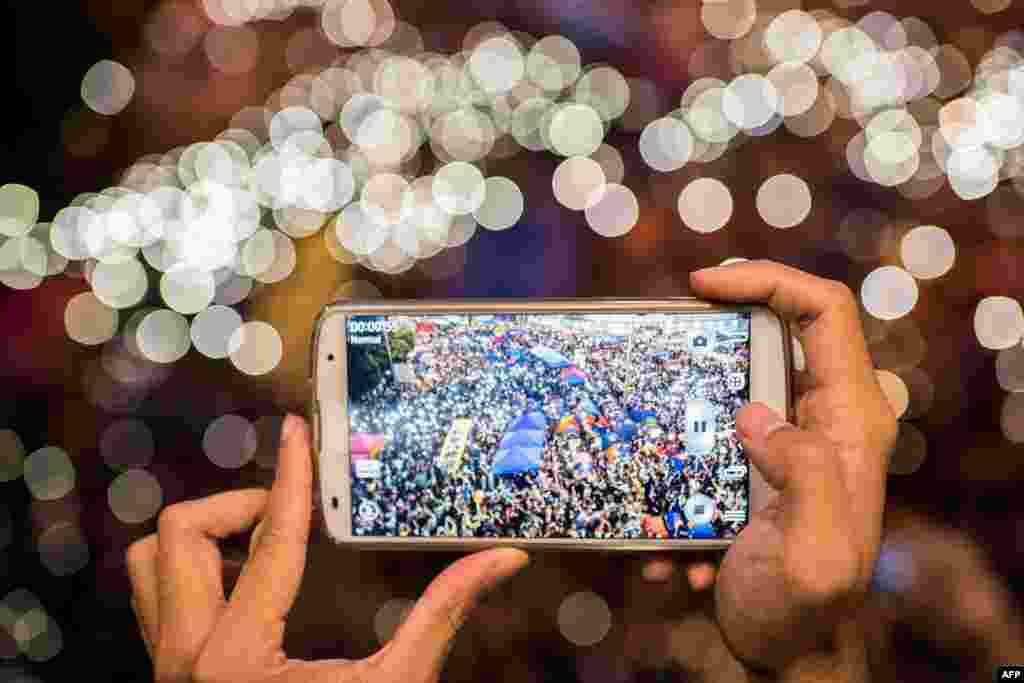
x=530, y=421
x=703, y=531
x=628, y=431
x=588, y=407
x=518, y=459
x=638, y=415
x=524, y=437
x=550, y=357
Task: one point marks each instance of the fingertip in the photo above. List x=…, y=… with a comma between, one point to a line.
x=756, y=420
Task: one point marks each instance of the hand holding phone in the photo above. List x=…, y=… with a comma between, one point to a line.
x=788, y=586
x=194, y=633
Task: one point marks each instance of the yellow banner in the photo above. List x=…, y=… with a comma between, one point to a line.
x=455, y=444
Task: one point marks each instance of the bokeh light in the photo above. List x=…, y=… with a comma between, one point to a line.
x=135, y=496
x=889, y=293
x=615, y=213
x=928, y=252
x=584, y=618
x=230, y=441
x=895, y=390
x=163, y=336
x=211, y=330
x=127, y=443
x=63, y=549
x=108, y=87
x=49, y=473
x=666, y=144
x=1012, y=417
x=88, y=320
x=255, y=348
x=998, y=322
x=1010, y=368
x=910, y=452
x=784, y=201
x=705, y=205
x=502, y=206
x=19, y=209
x=579, y=183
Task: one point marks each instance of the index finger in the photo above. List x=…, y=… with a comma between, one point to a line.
x=824, y=313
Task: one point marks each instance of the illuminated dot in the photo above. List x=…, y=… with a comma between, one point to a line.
x=127, y=444
x=119, y=285
x=459, y=188
x=135, y=496
x=1010, y=368
x=187, y=290
x=604, y=90
x=584, y=618
x=575, y=130
x=954, y=69
x=389, y=617
x=578, y=183
x=460, y=231
x=38, y=635
x=19, y=209
x=793, y=36
x=895, y=391
x=705, y=205
x=255, y=348
x=728, y=19
x=350, y=23
x=928, y=252
x=230, y=441
x=999, y=322
x=163, y=336
x=49, y=473
x=973, y=172
x=1012, y=418
x=63, y=549
x=750, y=101
x=292, y=121
x=889, y=293
x=666, y=144
x=784, y=200
x=108, y=87
x=212, y=329
x=88, y=320
x=503, y=204
x=497, y=64
x=12, y=453
x=910, y=452
x=284, y=261
x=815, y=120
x=553, y=63
x=797, y=87
x=991, y=6
x=891, y=158
x=615, y=213
x=611, y=163
x=706, y=117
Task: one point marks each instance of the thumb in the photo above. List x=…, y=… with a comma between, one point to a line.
x=423, y=641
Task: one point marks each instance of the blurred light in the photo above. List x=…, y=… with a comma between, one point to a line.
x=187, y=290
x=889, y=293
x=127, y=444
x=793, y=36
x=497, y=65
x=928, y=252
x=350, y=23
x=784, y=200
x=12, y=453
x=991, y=6
x=49, y=473
x=230, y=441
x=459, y=188
x=604, y=90
x=728, y=19
x=922, y=392
x=1012, y=418
x=63, y=549
x=707, y=119
x=910, y=451
x=38, y=635
x=212, y=328
x=615, y=213
x=503, y=204
x=135, y=496
x=645, y=104
x=815, y=120
x=119, y=285
x=579, y=183
x=895, y=390
x=666, y=144
x=999, y=322
x=1010, y=368
x=255, y=348
x=611, y=163
x=750, y=101
x=954, y=71
x=584, y=618
x=575, y=130
x=389, y=617
x=163, y=336
x=357, y=232
x=108, y=87
x=797, y=87
x=19, y=209
x=705, y=205
x=283, y=263
x=553, y=63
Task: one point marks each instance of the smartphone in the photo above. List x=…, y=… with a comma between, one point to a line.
x=563, y=424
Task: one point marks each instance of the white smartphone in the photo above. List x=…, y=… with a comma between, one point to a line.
x=563, y=424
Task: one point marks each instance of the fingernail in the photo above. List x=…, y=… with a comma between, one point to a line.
x=706, y=270
x=289, y=428
x=758, y=421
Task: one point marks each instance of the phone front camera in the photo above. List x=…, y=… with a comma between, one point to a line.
x=330, y=356
x=334, y=502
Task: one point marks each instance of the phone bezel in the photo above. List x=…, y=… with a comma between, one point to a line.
x=770, y=384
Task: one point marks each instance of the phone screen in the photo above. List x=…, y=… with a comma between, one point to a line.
x=589, y=426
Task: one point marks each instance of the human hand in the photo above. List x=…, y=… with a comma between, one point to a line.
x=787, y=585
x=195, y=634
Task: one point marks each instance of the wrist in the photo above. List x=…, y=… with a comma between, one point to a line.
x=842, y=660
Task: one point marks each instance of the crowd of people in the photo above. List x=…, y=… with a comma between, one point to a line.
x=614, y=461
